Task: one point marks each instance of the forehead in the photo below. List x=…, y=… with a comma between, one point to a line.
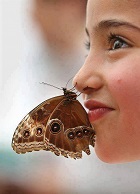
x=98, y=10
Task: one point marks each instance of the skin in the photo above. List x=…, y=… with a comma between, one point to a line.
x=112, y=72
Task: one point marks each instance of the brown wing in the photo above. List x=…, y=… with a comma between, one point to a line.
x=30, y=133
x=68, y=130
x=59, y=125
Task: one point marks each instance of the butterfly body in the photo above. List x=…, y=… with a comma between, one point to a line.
x=59, y=124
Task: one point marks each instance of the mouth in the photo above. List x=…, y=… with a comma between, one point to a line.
x=96, y=110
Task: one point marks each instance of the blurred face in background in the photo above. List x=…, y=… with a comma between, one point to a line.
x=61, y=23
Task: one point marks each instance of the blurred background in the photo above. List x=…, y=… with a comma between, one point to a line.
x=43, y=41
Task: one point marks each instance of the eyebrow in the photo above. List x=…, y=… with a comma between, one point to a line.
x=105, y=24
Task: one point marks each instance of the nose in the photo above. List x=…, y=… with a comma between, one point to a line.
x=89, y=78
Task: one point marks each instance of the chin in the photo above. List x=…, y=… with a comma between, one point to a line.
x=110, y=156
x=113, y=156
x=104, y=157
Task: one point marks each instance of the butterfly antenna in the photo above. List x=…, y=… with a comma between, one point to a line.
x=73, y=88
x=69, y=81
x=51, y=85
x=79, y=93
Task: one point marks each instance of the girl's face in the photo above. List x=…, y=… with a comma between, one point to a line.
x=109, y=79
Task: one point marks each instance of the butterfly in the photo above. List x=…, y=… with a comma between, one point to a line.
x=59, y=124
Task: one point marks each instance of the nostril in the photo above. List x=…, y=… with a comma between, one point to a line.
x=88, y=89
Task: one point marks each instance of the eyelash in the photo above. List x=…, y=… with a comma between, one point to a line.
x=87, y=45
x=112, y=38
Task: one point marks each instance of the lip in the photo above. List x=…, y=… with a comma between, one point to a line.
x=96, y=110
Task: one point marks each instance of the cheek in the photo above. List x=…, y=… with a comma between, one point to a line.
x=120, y=133
x=125, y=89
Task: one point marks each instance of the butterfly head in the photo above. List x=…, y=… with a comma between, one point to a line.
x=69, y=94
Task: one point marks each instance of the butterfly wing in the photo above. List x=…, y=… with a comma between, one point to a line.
x=59, y=125
x=30, y=133
x=68, y=130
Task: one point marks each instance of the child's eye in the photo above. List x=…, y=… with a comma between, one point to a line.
x=116, y=42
